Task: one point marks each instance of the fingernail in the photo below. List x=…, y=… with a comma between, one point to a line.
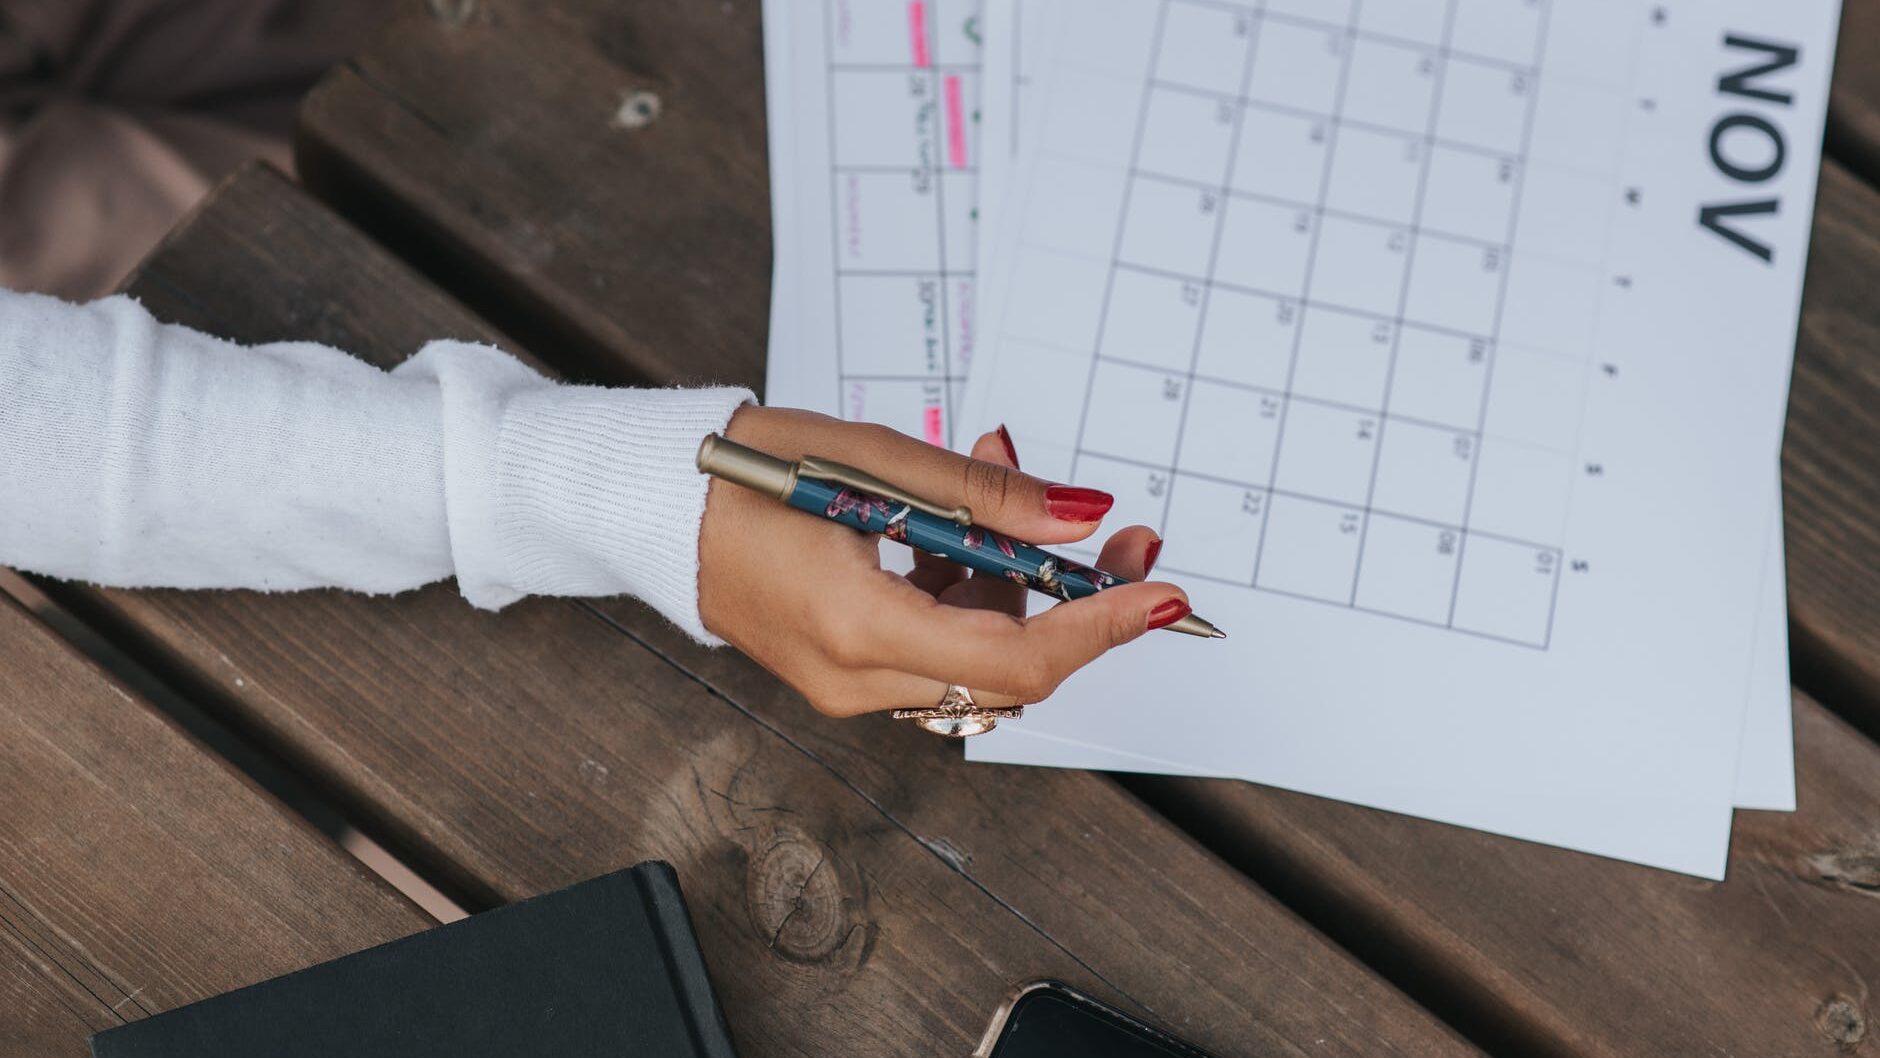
x=1167, y=612
x=1069, y=503
x=1151, y=553
x=1011, y=454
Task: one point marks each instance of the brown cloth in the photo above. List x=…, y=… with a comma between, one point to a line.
x=117, y=115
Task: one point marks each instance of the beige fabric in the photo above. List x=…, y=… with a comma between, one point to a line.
x=117, y=115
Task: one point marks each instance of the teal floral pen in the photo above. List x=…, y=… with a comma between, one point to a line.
x=855, y=498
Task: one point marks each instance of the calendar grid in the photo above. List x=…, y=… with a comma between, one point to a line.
x=888, y=67
x=944, y=296
x=1501, y=303
x=1305, y=290
x=1403, y=297
x=1218, y=479
x=1352, y=28
x=1214, y=254
x=1342, y=214
x=1359, y=608
x=1116, y=247
x=1228, y=383
x=1346, y=385
x=835, y=205
x=1281, y=108
x=1337, y=214
x=902, y=294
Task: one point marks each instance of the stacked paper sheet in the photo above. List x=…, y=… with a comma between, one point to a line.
x=1438, y=339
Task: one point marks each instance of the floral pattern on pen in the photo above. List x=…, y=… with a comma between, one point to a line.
x=862, y=505
x=1098, y=579
x=896, y=529
x=976, y=537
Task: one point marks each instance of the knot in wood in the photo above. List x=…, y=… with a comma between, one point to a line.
x=1841, y=1020
x=1856, y=869
x=795, y=896
x=638, y=109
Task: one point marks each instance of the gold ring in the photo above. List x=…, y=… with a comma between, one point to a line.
x=957, y=716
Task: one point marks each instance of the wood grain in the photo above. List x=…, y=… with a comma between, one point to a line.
x=487, y=149
x=1831, y=455
x=1853, y=134
x=1538, y=951
x=876, y=900
x=137, y=872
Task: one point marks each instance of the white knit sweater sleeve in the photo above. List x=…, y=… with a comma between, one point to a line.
x=140, y=454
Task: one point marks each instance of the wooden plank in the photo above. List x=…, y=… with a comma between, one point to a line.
x=1854, y=100
x=137, y=872
x=876, y=900
x=1831, y=456
x=487, y=148
x=1544, y=952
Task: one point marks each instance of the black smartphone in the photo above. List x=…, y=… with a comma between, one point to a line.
x=1049, y=1019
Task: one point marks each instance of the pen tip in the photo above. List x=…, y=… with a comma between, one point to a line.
x=1218, y=634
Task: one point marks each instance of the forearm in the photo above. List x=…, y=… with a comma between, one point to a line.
x=139, y=454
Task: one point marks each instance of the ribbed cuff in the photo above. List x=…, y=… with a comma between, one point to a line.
x=597, y=493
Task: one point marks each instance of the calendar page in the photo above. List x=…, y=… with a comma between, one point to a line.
x=1765, y=775
x=874, y=150
x=1437, y=339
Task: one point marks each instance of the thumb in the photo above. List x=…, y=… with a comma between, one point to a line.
x=1073, y=634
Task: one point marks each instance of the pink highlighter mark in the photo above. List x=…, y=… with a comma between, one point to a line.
x=935, y=435
x=917, y=31
x=956, y=123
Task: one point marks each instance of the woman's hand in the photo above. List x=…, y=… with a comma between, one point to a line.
x=809, y=600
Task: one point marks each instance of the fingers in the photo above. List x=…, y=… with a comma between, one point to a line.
x=933, y=574
x=987, y=590
x=1130, y=553
x=1025, y=659
x=855, y=638
x=1002, y=498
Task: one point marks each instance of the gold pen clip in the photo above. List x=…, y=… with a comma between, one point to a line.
x=842, y=474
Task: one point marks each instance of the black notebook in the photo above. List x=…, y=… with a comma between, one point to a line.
x=608, y=968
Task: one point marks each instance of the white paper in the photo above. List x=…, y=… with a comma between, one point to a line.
x=1597, y=690
x=877, y=180
x=1765, y=770
x=1014, y=31
x=1765, y=777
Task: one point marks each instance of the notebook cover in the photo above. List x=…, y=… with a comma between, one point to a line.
x=608, y=968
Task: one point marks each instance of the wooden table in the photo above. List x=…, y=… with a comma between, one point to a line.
x=856, y=887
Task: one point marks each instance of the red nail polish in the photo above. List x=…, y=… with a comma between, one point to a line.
x=1069, y=503
x=1167, y=612
x=1151, y=553
x=1011, y=454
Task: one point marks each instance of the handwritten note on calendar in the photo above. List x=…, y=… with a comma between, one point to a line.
x=1411, y=326
x=874, y=125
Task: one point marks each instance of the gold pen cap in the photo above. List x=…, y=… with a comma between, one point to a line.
x=748, y=467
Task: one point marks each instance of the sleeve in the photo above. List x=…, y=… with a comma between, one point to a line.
x=139, y=454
